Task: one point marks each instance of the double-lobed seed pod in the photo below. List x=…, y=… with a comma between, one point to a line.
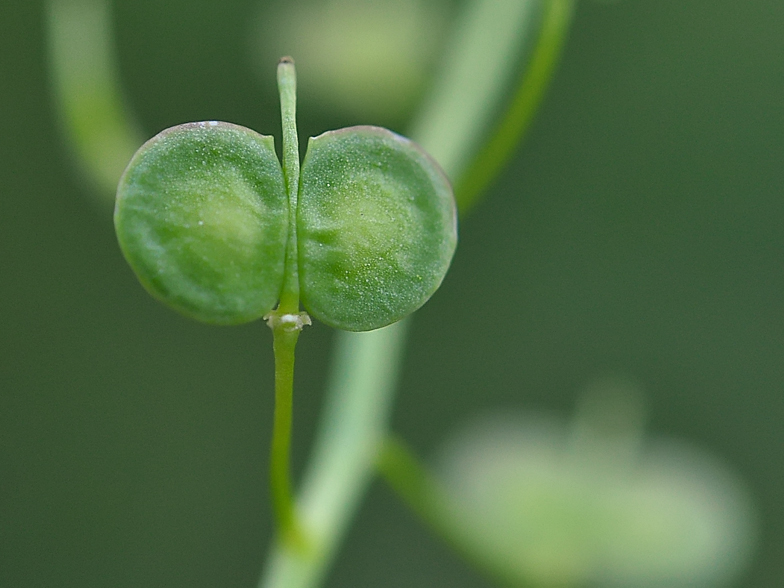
x=203, y=217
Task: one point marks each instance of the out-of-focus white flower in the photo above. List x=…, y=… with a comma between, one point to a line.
x=546, y=503
x=365, y=58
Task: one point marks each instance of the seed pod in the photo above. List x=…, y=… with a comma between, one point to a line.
x=201, y=217
x=376, y=228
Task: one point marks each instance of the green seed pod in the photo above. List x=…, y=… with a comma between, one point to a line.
x=202, y=218
x=376, y=228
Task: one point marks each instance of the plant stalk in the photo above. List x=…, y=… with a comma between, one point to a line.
x=286, y=323
x=284, y=342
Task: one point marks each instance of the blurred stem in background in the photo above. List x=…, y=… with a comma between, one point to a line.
x=97, y=126
x=492, y=42
x=499, y=148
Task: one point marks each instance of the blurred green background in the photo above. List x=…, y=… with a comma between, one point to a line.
x=638, y=232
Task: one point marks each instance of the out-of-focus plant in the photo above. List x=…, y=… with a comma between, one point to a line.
x=537, y=501
x=100, y=131
x=215, y=226
x=367, y=60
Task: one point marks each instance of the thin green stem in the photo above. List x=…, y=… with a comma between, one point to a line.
x=517, y=119
x=287, y=86
x=284, y=342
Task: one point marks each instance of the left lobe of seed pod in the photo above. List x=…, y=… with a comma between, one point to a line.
x=201, y=216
